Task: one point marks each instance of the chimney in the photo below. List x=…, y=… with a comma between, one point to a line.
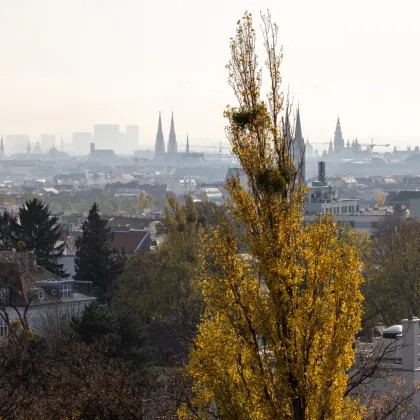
x=321, y=171
x=410, y=343
x=92, y=147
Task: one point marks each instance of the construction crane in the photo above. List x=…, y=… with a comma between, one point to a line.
x=210, y=155
x=220, y=147
x=357, y=144
x=372, y=145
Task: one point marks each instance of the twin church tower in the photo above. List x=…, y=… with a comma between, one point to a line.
x=160, y=143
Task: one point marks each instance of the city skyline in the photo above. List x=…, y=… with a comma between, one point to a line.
x=106, y=62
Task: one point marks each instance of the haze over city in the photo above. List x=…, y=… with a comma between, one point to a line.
x=69, y=65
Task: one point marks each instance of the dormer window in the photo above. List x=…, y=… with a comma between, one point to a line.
x=66, y=291
x=4, y=328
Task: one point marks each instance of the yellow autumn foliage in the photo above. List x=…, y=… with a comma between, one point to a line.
x=275, y=341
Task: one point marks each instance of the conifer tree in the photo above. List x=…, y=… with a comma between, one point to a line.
x=96, y=259
x=8, y=230
x=275, y=340
x=40, y=232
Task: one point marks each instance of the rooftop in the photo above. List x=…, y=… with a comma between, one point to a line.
x=129, y=241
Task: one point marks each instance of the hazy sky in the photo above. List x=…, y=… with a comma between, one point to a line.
x=66, y=65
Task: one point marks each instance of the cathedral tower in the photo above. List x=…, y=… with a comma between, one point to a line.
x=299, y=149
x=160, y=144
x=172, y=146
x=338, y=138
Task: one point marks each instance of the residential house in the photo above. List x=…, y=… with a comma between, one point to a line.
x=398, y=367
x=48, y=299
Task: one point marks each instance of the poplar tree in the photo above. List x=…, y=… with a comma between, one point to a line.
x=275, y=341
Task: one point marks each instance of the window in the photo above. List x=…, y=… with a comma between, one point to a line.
x=66, y=291
x=4, y=328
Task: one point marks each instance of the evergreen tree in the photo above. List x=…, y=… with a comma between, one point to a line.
x=8, y=230
x=96, y=260
x=40, y=232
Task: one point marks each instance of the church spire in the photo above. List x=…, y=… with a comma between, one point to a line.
x=338, y=137
x=172, y=146
x=160, y=144
x=187, y=149
x=298, y=129
x=299, y=148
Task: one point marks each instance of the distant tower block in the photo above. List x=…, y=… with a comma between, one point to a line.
x=172, y=146
x=187, y=149
x=159, y=144
x=28, y=148
x=321, y=171
x=1, y=149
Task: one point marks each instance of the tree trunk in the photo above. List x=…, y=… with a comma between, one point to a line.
x=299, y=409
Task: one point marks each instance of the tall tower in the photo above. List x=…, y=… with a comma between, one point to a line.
x=160, y=144
x=187, y=149
x=172, y=146
x=338, y=138
x=28, y=148
x=330, y=148
x=299, y=149
x=1, y=149
x=62, y=145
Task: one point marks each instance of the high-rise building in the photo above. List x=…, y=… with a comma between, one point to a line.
x=47, y=141
x=131, y=138
x=80, y=143
x=15, y=143
x=187, y=149
x=160, y=143
x=309, y=149
x=338, y=138
x=106, y=136
x=1, y=149
x=172, y=146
